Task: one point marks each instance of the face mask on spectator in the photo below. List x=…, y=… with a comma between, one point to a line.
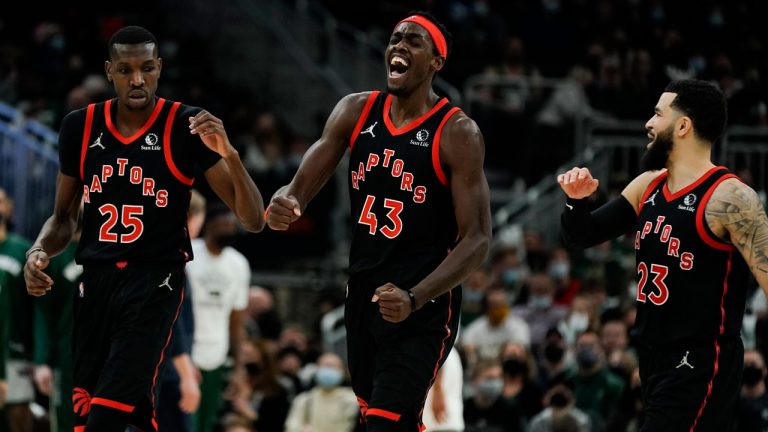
x=472, y=296
x=559, y=399
x=328, y=377
x=511, y=277
x=515, y=367
x=752, y=375
x=490, y=389
x=554, y=353
x=586, y=358
x=224, y=240
x=253, y=368
x=497, y=314
x=578, y=322
x=559, y=270
x=540, y=302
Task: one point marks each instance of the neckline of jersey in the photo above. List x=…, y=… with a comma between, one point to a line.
x=413, y=124
x=127, y=140
x=669, y=196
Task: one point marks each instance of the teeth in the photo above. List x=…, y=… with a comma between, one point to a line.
x=398, y=60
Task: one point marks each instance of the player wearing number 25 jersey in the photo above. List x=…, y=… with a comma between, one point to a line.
x=421, y=222
x=131, y=162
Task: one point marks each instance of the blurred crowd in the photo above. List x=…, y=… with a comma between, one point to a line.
x=545, y=342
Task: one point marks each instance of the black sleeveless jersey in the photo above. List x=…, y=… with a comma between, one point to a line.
x=402, y=210
x=691, y=286
x=136, y=189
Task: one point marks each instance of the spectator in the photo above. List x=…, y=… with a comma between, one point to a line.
x=540, y=313
x=444, y=406
x=329, y=407
x=520, y=387
x=486, y=410
x=753, y=403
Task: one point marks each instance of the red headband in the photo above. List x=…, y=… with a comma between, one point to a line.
x=434, y=33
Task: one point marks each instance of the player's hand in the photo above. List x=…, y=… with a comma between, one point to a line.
x=43, y=377
x=438, y=406
x=282, y=212
x=211, y=130
x=3, y=392
x=38, y=283
x=578, y=183
x=394, y=302
x=190, y=395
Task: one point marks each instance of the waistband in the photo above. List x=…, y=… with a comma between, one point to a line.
x=124, y=265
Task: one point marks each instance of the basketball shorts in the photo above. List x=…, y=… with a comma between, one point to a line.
x=392, y=365
x=691, y=387
x=122, y=324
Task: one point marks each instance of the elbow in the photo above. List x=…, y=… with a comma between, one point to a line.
x=254, y=225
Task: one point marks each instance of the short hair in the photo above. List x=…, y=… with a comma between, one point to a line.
x=444, y=30
x=704, y=103
x=131, y=35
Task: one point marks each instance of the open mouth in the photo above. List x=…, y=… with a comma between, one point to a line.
x=398, y=66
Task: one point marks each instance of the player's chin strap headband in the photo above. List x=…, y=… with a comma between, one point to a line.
x=434, y=33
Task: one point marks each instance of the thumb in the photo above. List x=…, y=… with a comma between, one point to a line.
x=296, y=206
x=595, y=183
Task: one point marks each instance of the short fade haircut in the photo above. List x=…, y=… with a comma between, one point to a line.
x=446, y=34
x=131, y=35
x=704, y=103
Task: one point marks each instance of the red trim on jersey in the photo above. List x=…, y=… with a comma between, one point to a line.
x=167, y=147
x=710, y=240
x=412, y=125
x=140, y=132
x=86, y=138
x=363, y=117
x=651, y=186
x=717, y=345
x=112, y=404
x=162, y=355
x=436, y=147
x=673, y=196
x=389, y=415
x=442, y=352
x=154, y=424
x=79, y=428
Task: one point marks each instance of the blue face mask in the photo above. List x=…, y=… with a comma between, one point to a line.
x=540, y=302
x=491, y=388
x=511, y=277
x=328, y=377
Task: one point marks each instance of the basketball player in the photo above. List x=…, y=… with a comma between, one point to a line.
x=131, y=160
x=698, y=231
x=419, y=199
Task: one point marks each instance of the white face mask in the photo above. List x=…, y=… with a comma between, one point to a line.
x=578, y=322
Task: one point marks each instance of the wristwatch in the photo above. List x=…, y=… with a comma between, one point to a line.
x=31, y=251
x=413, y=300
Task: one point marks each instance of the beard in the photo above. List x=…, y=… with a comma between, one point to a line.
x=657, y=156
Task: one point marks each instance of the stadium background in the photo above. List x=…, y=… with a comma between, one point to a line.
x=552, y=83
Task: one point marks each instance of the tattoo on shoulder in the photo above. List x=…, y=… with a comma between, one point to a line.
x=737, y=208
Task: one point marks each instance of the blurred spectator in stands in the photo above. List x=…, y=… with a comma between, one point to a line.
x=597, y=390
x=554, y=361
x=262, y=320
x=540, y=313
x=255, y=393
x=329, y=406
x=626, y=417
x=614, y=338
x=560, y=413
x=444, y=406
x=752, y=414
x=474, y=290
x=484, y=337
x=289, y=364
x=508, y=270
x=559, y=269
x=486, y=410
x=580, y=317
x=520, y=385
x=536, y=255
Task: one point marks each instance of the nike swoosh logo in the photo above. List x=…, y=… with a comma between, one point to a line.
x=570, y=207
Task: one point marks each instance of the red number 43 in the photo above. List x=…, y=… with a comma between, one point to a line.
x=367, y=217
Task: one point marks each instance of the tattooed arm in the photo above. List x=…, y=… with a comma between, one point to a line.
x=735, y=214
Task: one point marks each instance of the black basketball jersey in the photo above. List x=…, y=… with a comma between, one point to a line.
x=402, y=210
x=135, y=194
x=691, y=286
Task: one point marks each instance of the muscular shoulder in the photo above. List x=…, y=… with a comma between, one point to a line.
x=733, y=209
x=73, y=121
x=461, y=137
x=345, y=114
x=634, y=191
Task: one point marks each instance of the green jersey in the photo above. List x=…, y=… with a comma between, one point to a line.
x=20, y=316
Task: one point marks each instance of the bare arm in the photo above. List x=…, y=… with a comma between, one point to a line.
x=463, y=152
x=735, y=214
x=228, y=177
x=318, y=164
x=55, y=234
x=236, y=335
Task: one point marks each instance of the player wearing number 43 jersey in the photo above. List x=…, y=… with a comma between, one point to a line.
x=698, y=231
x=419, y=201
x=132, y=161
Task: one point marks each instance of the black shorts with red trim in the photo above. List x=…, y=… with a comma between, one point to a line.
x=392, y=365
x=691, y=387
x=124, y=315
